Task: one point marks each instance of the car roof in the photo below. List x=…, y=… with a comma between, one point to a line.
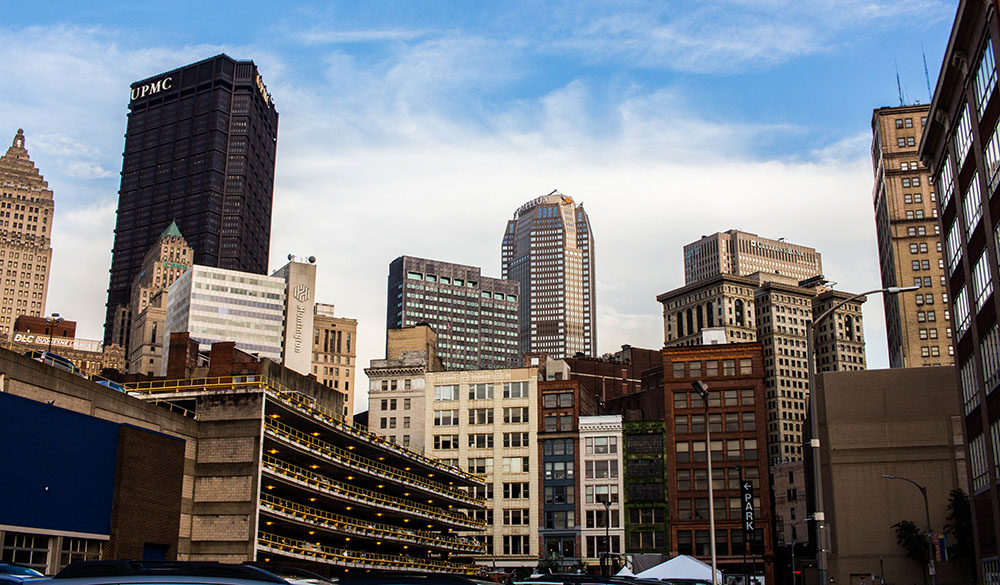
x=123, y=571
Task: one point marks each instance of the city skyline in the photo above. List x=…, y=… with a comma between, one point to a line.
x=663, y=123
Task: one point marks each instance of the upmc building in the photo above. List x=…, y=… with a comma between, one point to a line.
x=199, y=150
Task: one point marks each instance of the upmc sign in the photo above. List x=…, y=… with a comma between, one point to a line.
x=153, y=87
x=747, y=492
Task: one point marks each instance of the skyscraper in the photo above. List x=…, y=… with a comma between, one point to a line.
x=26, y=212
x=961, y=149
x=165, y=262
x=742, y=254
x=199, y=150
x=474, y=316
x=548, y=247
x=909, y=244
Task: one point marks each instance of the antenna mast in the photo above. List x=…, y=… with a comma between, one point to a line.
x=927, y=76
x=899, y=86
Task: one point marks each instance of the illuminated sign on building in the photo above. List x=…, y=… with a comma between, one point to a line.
x=153, y=87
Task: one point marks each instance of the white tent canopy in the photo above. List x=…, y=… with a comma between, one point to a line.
x=625, y=572
x=681, y=567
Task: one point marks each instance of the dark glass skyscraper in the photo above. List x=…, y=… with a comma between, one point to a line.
x=199, y=150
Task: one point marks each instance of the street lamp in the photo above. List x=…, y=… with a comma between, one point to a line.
x=702, y=389
x=927, y=515
x=818, y=515
x=54, y=320
x=606, y=561
x=806, y=519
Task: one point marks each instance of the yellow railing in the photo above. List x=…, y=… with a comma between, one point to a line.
x=354, y=558
x=352, y=525
x=363, y=463
x=318, y=481
x=295, y=399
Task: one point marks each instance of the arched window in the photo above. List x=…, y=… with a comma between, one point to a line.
x=849, y=327
x=701, y=317
x=690, y=322
x=710, y=313
x=680, y=324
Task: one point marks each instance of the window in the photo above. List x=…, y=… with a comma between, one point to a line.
x=515, y=389
x=480, y=391
x=963, y=134
x=480, y=465
x=445, y=442
x=515, y=465
x=560, y=520
x=991, y=154
x=481, y=416
x=728, y=367
x=560, y=494
x=601, y=469
x=558, y=469
x=972, y=206
x=746, y=366
x=515, y=491
x=945, y=182
x=481, y=440
x=515, y=440
x=516, y=517
x=961, y=312
x=601, y=445
x=557, y=400
x=517, y=544
x=558, y=447
x=515, y=415
x=445, y=418
x=678, y=369
x=597, y=494
x=449, y=392
x=982, y=285
x=986, y=77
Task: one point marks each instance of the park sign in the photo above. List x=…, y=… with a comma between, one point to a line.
x=746, y=491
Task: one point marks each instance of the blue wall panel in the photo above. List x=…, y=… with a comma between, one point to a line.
x=57, y=468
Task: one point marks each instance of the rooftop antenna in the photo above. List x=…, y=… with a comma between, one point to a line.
x=899, y=86
x=927, y=76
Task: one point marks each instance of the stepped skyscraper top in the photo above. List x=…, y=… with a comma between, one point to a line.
x=26, y=213
x=548, y=247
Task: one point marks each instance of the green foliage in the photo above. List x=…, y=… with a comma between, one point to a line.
x=548, y=564
x=958, y=527
x=912, y=539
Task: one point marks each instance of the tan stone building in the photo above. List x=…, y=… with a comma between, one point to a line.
x=335, y=343
x=483, y=421
x=166, y=260
x=26, y=213
x=742, y=254
x=901, y=422
x=906, y=219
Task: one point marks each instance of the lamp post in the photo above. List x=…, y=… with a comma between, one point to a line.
x=702, y=389
x=818, y=516
x=806, y=519
x=54, y=320
x=927, y=516
x=606, y=561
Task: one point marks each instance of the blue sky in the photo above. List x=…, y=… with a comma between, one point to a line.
x=419, y=127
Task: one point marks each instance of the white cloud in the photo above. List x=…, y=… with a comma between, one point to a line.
x=384, y=159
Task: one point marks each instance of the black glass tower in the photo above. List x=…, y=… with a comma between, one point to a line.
x=199, y=150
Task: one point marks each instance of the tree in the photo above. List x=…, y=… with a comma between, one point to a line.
x=912, y=539
x=548, y=564
x=958, y=526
